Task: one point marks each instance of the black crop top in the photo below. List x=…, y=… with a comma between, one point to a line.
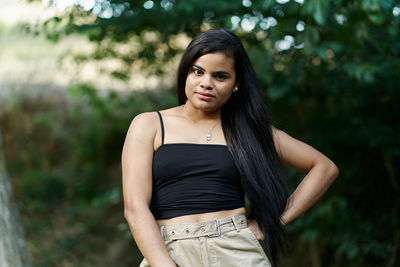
x=193, y=178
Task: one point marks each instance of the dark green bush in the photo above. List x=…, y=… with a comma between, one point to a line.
x=63, y=155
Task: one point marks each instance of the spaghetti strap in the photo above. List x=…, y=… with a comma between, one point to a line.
x=162, y=127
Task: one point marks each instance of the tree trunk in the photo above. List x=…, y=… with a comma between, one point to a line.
x=13, y=252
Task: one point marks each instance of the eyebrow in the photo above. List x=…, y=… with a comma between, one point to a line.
x=219, y=72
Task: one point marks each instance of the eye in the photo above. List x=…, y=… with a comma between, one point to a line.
x=220, y=77
x=197, y=72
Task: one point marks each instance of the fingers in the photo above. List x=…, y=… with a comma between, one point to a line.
x=253, y=226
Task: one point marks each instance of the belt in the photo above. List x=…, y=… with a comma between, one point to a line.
x=212, y=228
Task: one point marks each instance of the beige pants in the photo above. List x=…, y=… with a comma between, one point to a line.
x=220, y=243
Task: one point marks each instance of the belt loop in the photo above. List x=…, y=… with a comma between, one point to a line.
x=235, y=223
x=218, y=229
x=162, y=232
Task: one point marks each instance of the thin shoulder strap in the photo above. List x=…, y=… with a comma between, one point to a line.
x=162, y=127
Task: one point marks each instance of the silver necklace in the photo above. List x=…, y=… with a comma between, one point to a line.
x=208, y=135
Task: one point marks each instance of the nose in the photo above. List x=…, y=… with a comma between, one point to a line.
x=206, y=82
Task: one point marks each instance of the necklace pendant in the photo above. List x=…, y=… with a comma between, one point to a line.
x=208, y=137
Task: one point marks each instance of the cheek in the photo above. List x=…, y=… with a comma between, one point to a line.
x=189, y=82
x=228, y=95
x=228, y=90
x=225, y=96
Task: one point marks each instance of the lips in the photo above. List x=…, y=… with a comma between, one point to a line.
x=205, y=94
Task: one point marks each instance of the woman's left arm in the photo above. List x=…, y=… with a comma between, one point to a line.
x=320, y=172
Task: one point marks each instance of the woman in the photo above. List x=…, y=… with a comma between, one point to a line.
x=187, y=169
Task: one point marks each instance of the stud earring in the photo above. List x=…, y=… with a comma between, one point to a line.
x=235, y=89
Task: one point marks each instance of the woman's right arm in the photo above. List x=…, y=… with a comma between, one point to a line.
x=137, y=156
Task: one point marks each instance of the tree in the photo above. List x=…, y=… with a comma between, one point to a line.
x=13, y=252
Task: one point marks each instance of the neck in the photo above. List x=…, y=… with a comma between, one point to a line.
x=197, y=115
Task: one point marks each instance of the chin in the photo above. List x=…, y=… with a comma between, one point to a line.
x=206, y=106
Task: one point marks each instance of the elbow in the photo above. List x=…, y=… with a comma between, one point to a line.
x=129, y=214
x=134, y=213
x=333, y=171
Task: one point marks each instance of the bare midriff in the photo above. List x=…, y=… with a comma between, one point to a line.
x=202, y=217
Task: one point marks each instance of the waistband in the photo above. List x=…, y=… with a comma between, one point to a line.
x=212, y=228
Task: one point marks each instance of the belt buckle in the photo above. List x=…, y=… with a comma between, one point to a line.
x=218, y=228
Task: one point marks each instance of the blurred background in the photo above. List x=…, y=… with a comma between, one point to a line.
x=74, y=73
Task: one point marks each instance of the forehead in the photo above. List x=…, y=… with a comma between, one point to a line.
x=215, y=62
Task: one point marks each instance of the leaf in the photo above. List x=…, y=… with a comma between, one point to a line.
x=275, y=92
x=377, y=18
x=318, y=9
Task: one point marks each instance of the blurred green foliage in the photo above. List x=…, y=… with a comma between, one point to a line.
x=63, y=155
x=330, y=71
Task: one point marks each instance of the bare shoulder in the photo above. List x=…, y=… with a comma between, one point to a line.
x=145, y=118
x=280, y=136
x=296, y=153
x=144, y=125
x=172, y=112
x=276, y=133
x=274, y=130
x=284, y=141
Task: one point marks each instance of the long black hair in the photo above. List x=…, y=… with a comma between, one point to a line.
x=247, y=129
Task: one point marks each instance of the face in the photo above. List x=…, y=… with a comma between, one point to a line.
x=210, y=81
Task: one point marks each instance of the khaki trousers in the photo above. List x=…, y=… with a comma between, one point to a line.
x=219, y=243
